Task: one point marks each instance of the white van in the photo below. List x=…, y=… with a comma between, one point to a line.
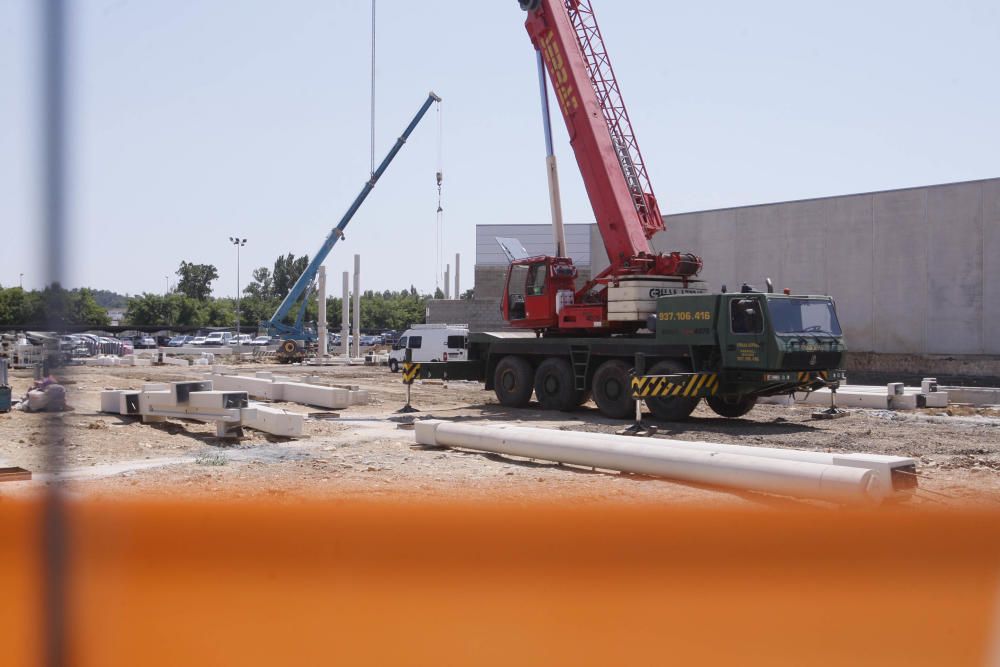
x=431, y=342
x=217, y=339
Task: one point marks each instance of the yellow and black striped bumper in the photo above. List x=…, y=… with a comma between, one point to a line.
x=688, y=385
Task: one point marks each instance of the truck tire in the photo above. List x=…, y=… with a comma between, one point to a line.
x=673, y=408
x=554, y=386
x=731, y=408
x=393, y=366
x=611, y=387
x=513, y=381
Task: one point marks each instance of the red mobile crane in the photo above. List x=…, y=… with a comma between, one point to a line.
x=566, y=34
x=644, y=328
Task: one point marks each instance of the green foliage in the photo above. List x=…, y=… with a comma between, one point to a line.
x=108, y=299
x=287, y=270
x=180, y=310
x=53, y=307
x=196, y=280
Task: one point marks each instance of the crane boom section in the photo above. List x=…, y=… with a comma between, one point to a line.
x=566, y=34
x=275, y=324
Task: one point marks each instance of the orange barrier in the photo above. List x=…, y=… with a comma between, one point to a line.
x=388, y=584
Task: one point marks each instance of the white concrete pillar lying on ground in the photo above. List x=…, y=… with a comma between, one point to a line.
x=345, y=317
x=321, y=313
x=836, y=483
x=356, y=349
x=880, y=465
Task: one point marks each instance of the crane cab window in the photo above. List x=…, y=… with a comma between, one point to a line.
x=746, y=316
x=535, y=285
x=516, y=284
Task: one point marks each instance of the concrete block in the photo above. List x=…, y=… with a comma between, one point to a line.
x=256, y=387
x=934, y=399
x=109, y=401
x=128, y=402
x=156, y=386
x=272, y=420
x=973, y=395
x=174, y=361
x=895, y=388
x=358, y=397
x=307, y=394
x=218, y=399
x=847, y=399
x=927, y=385
x=149, y=400
x=903, y=402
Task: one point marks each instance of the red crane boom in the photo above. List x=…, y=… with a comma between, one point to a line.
x=568, y=36
x=540, y=292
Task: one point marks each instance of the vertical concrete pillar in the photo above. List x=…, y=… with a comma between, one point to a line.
x=458, y=271
x=447, y=281
x=357, y=306
x=345, y=317
x=321, y=312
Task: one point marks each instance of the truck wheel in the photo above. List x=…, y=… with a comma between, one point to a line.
x=611, y=390
x=393, y=366
x=554, y=387
x=673, y=408
x=513, y=382
x=731, y=408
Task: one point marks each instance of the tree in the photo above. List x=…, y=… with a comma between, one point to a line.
x=261, y=287
x=469, y=294
x=287, y=270
x=196, y=280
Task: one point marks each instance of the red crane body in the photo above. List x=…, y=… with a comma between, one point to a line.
x=604, y=144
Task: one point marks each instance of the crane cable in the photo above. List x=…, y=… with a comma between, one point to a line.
x=439, y=228
x=372, y=147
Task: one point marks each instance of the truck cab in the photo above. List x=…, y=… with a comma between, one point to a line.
x=761, y=343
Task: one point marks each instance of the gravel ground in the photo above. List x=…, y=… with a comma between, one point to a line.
x=364, y=453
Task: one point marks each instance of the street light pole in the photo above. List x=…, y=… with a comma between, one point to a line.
x=239, y=243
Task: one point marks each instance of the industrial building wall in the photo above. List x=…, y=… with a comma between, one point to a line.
x=914, y=271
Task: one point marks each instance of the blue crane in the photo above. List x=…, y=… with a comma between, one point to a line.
x=276, y=324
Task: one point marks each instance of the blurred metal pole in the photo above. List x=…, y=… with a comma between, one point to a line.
x=53, y=214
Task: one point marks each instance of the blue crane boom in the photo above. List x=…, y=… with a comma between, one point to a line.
x=276, y=324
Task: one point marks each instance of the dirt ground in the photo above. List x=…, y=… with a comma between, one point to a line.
x=364, y=454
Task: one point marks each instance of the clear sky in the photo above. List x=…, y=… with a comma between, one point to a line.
x=193, y=120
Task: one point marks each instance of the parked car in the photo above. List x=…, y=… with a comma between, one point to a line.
x=261, y=340
x=217, y=339
x=180, y=341
x=197, y=340
x=242, y=339
x=430, y=342
x=144, y=342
